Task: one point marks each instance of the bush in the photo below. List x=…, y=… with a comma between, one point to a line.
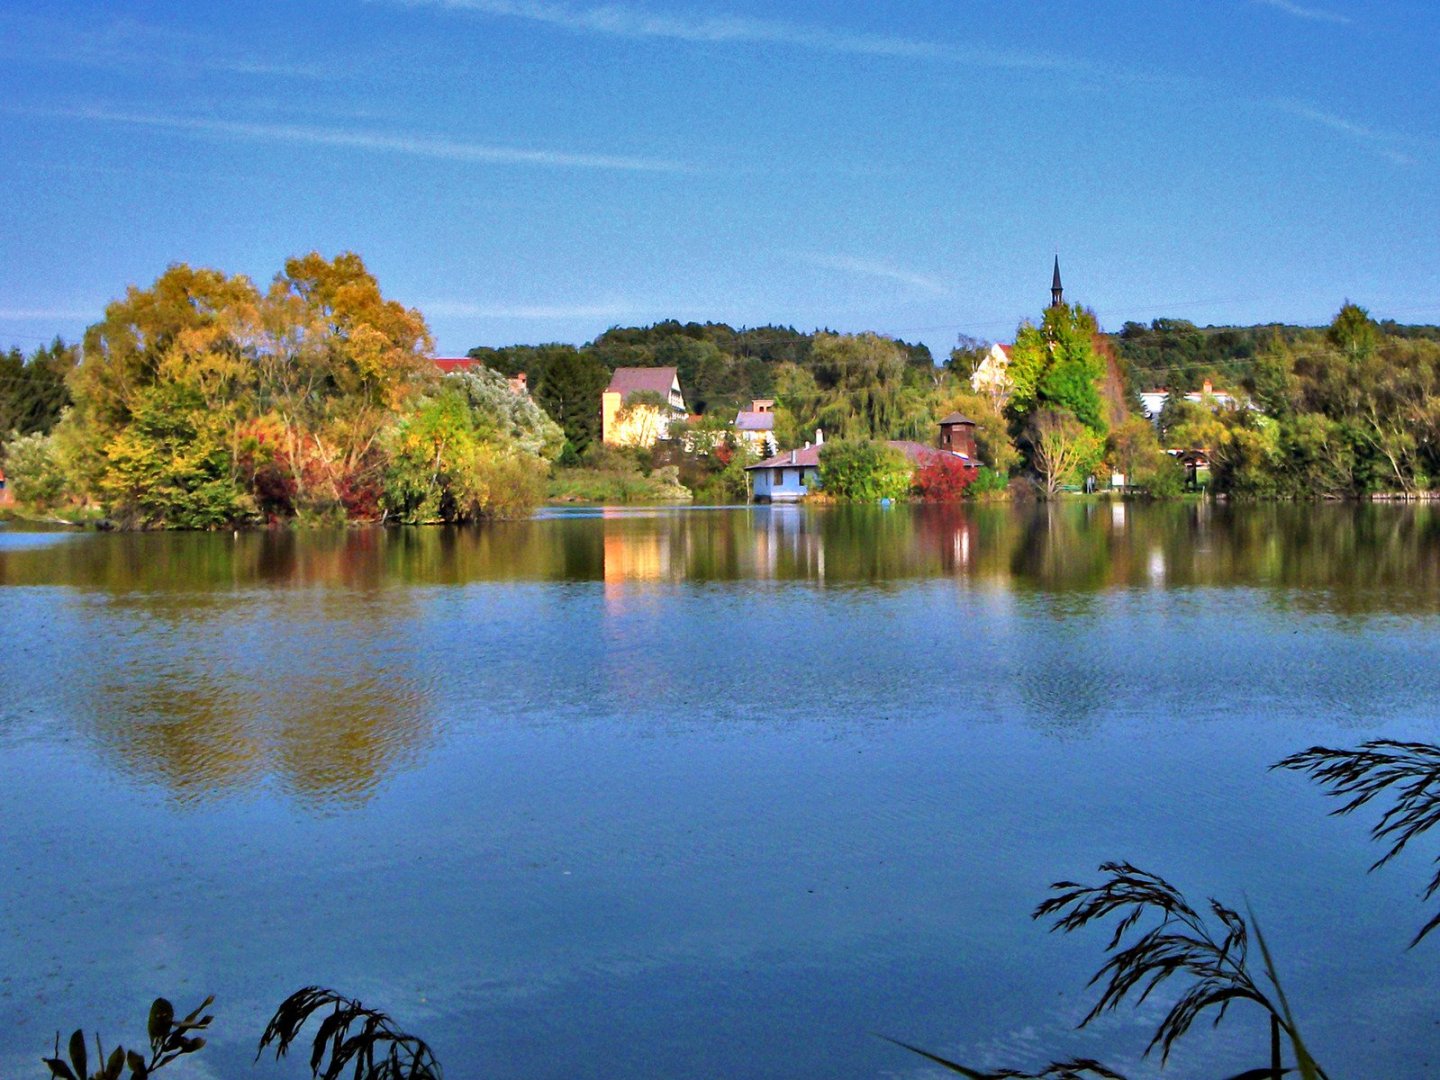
x=863, y=470
x=32, y=469
x=988, y=481
x=1161, y=478
x=943, y=478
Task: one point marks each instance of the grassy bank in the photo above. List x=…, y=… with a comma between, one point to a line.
x=616, y=485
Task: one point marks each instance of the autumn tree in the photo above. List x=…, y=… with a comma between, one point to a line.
x=1062, y=448
x=202, y=402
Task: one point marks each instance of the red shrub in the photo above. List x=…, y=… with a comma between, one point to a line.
x=942, y=478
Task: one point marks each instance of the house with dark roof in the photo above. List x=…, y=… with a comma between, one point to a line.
x=626, y=422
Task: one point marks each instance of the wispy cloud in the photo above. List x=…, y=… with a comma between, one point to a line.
x=1302, y=12
x=128, y=43
x=629, y=21
x=436, y=148
x=874, y=268
x=46, y=314
x=540, y=312
x=1385, y=143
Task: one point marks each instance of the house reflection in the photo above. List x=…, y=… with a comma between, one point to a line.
x=788, y=545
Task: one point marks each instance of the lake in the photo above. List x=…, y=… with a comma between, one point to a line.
x=708, y=792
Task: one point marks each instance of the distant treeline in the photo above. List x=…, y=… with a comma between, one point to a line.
x=205, y=400
x=1173, y=354
x=721, y=369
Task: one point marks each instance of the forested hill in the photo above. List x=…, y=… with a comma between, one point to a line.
x=1178, y=355
x=721, y=368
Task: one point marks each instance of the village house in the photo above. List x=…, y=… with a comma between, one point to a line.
x=755, y=426
x=624, y=422
x=793, y=474
x=790, y=476
x=1153, y=401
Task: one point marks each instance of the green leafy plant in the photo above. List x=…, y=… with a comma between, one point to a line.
x=349, y=1037
x=169, y=1039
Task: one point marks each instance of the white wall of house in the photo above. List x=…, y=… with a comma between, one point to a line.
x=785, y=484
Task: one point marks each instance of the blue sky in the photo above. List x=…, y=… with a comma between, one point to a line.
x=538, y=170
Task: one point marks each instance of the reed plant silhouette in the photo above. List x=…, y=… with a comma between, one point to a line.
x=1158, y=935
x=1408, y=771
x=349, y=1037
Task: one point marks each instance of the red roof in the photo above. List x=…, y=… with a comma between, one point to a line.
x=789, y=459
x=1006, y=350
x=447, y=364
x=635, y=380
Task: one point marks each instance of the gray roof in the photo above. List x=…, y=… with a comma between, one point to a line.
x=755, y=421
x=957, y=418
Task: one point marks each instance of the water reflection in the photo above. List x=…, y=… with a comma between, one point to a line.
x=1342, y=558
x=321, y=663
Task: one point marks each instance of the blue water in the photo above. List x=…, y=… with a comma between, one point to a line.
x=707, y=795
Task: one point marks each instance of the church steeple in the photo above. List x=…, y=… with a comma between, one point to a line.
x=1057, y=291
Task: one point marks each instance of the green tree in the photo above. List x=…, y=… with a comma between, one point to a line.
x=1353, y=332
x=448, y=462
x=507, y=417
x=569, y=391
x=863, y=470
x=1056, y=366
x=33, y=470
x=33, y=393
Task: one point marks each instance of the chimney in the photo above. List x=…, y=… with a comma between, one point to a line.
x=792, y=457
x=1208, y=390
x=819, y=437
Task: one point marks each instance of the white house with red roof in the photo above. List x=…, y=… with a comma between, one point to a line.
x=793, y=474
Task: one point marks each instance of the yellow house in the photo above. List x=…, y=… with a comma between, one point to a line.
x=625, y=423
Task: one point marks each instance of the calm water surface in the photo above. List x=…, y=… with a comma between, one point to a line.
x=706, y=793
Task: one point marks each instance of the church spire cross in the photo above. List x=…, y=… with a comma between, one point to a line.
x=1057, y=291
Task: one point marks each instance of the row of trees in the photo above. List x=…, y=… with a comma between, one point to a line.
x=204, y=401
x=1347, y=410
